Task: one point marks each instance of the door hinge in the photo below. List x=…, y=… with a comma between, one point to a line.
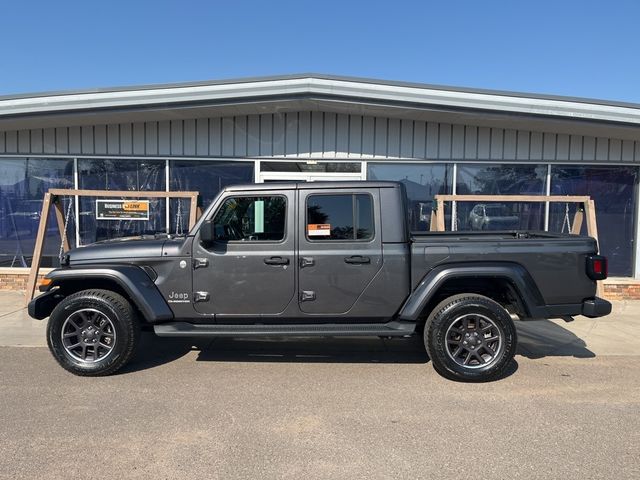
x=200, y=263
x=307, y=262
x=200, y=297
x=307, y=296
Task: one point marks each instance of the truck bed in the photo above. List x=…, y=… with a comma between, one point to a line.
x=556, y=262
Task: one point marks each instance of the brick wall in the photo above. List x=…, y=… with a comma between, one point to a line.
x=621, y=289
x=17, y=279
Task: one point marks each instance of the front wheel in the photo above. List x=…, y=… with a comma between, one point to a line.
x=93, y=332
x=470, y=337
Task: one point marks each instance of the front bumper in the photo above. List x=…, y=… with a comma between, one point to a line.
x=596, y=307
x=42, y=306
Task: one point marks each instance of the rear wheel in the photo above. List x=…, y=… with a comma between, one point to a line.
x=93, y=332
x=470, y=337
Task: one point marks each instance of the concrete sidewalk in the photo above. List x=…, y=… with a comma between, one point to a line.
x=615, y=334
x=16, y=327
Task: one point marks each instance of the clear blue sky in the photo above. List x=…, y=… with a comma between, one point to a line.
x=579, y=48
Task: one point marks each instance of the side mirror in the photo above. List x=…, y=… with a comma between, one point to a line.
x=207, y=232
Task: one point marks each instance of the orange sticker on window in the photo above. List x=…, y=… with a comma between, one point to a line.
x=319, y=229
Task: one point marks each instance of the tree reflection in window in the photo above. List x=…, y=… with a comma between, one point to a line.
x=251, y=219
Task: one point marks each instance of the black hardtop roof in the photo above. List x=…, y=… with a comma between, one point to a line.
x=311, y=185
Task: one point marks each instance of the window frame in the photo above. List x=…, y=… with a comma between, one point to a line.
x=353, y=213
x=285, y=232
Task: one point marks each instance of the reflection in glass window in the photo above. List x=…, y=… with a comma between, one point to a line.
x=251, y=219
x=364, y=217
x=339, y=217
x=483, y=179
x=422, y=182
x=120, y=174
x=23, y=183
x=492, y=216
x=324, y=167
x=613, y=191
x=206, y=177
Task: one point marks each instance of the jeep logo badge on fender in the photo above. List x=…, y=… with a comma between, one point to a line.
x=178, y=297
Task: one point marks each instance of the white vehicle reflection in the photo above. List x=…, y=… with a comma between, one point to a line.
x=492, y=217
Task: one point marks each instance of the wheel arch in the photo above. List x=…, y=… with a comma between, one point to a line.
x=505, y=282
x=129, y=281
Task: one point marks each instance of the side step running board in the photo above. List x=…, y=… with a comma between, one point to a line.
x=184, y=329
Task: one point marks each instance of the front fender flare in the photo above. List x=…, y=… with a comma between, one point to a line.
x=132, y=279
x=516, y=274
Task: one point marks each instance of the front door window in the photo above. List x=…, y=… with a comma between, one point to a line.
x=251, y=219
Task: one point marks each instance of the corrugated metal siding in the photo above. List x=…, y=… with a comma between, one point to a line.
x=317, y=135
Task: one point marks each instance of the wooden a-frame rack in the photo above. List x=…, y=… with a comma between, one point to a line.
x=588, y=210
x=53, y=196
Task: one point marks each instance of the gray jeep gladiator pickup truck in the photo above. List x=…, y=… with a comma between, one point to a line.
x=326, y=259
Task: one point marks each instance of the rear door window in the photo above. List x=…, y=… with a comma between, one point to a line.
x=344, y=217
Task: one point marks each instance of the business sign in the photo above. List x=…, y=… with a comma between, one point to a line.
x=122, y=209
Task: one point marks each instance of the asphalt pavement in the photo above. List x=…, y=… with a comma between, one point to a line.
x=568, y=408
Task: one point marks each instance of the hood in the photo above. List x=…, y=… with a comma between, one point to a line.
x=119, y=249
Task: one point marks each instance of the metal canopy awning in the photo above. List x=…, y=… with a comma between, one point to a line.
x=322, y=93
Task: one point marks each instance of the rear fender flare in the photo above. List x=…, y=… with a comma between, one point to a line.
x=516, y=274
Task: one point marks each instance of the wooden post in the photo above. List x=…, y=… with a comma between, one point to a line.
x=577, y=220
x=37, y=251
x=433, y=223
x=440, y=219
x=61, y=226
x=590, y=211
x=592, y=231
x=193, y=211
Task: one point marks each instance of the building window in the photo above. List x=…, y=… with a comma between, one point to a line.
x=613, y=190
x=207, y=178
x=482, y=179
x=422, y=182
x=339, y=217
x=23, y=183
x=312, y=167
x=120, y=174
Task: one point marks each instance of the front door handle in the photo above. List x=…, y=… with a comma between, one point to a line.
x=276, y=261
x=357, y=260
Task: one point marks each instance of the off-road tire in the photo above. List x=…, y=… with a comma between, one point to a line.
x=454, y=309
x=124, y=322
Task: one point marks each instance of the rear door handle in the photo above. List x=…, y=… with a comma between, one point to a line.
x=276, y=261
x=357, y=260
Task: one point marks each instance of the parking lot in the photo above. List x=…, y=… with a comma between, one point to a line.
x=324, y=408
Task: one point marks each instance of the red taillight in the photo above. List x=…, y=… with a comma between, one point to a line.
x=597, y=267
